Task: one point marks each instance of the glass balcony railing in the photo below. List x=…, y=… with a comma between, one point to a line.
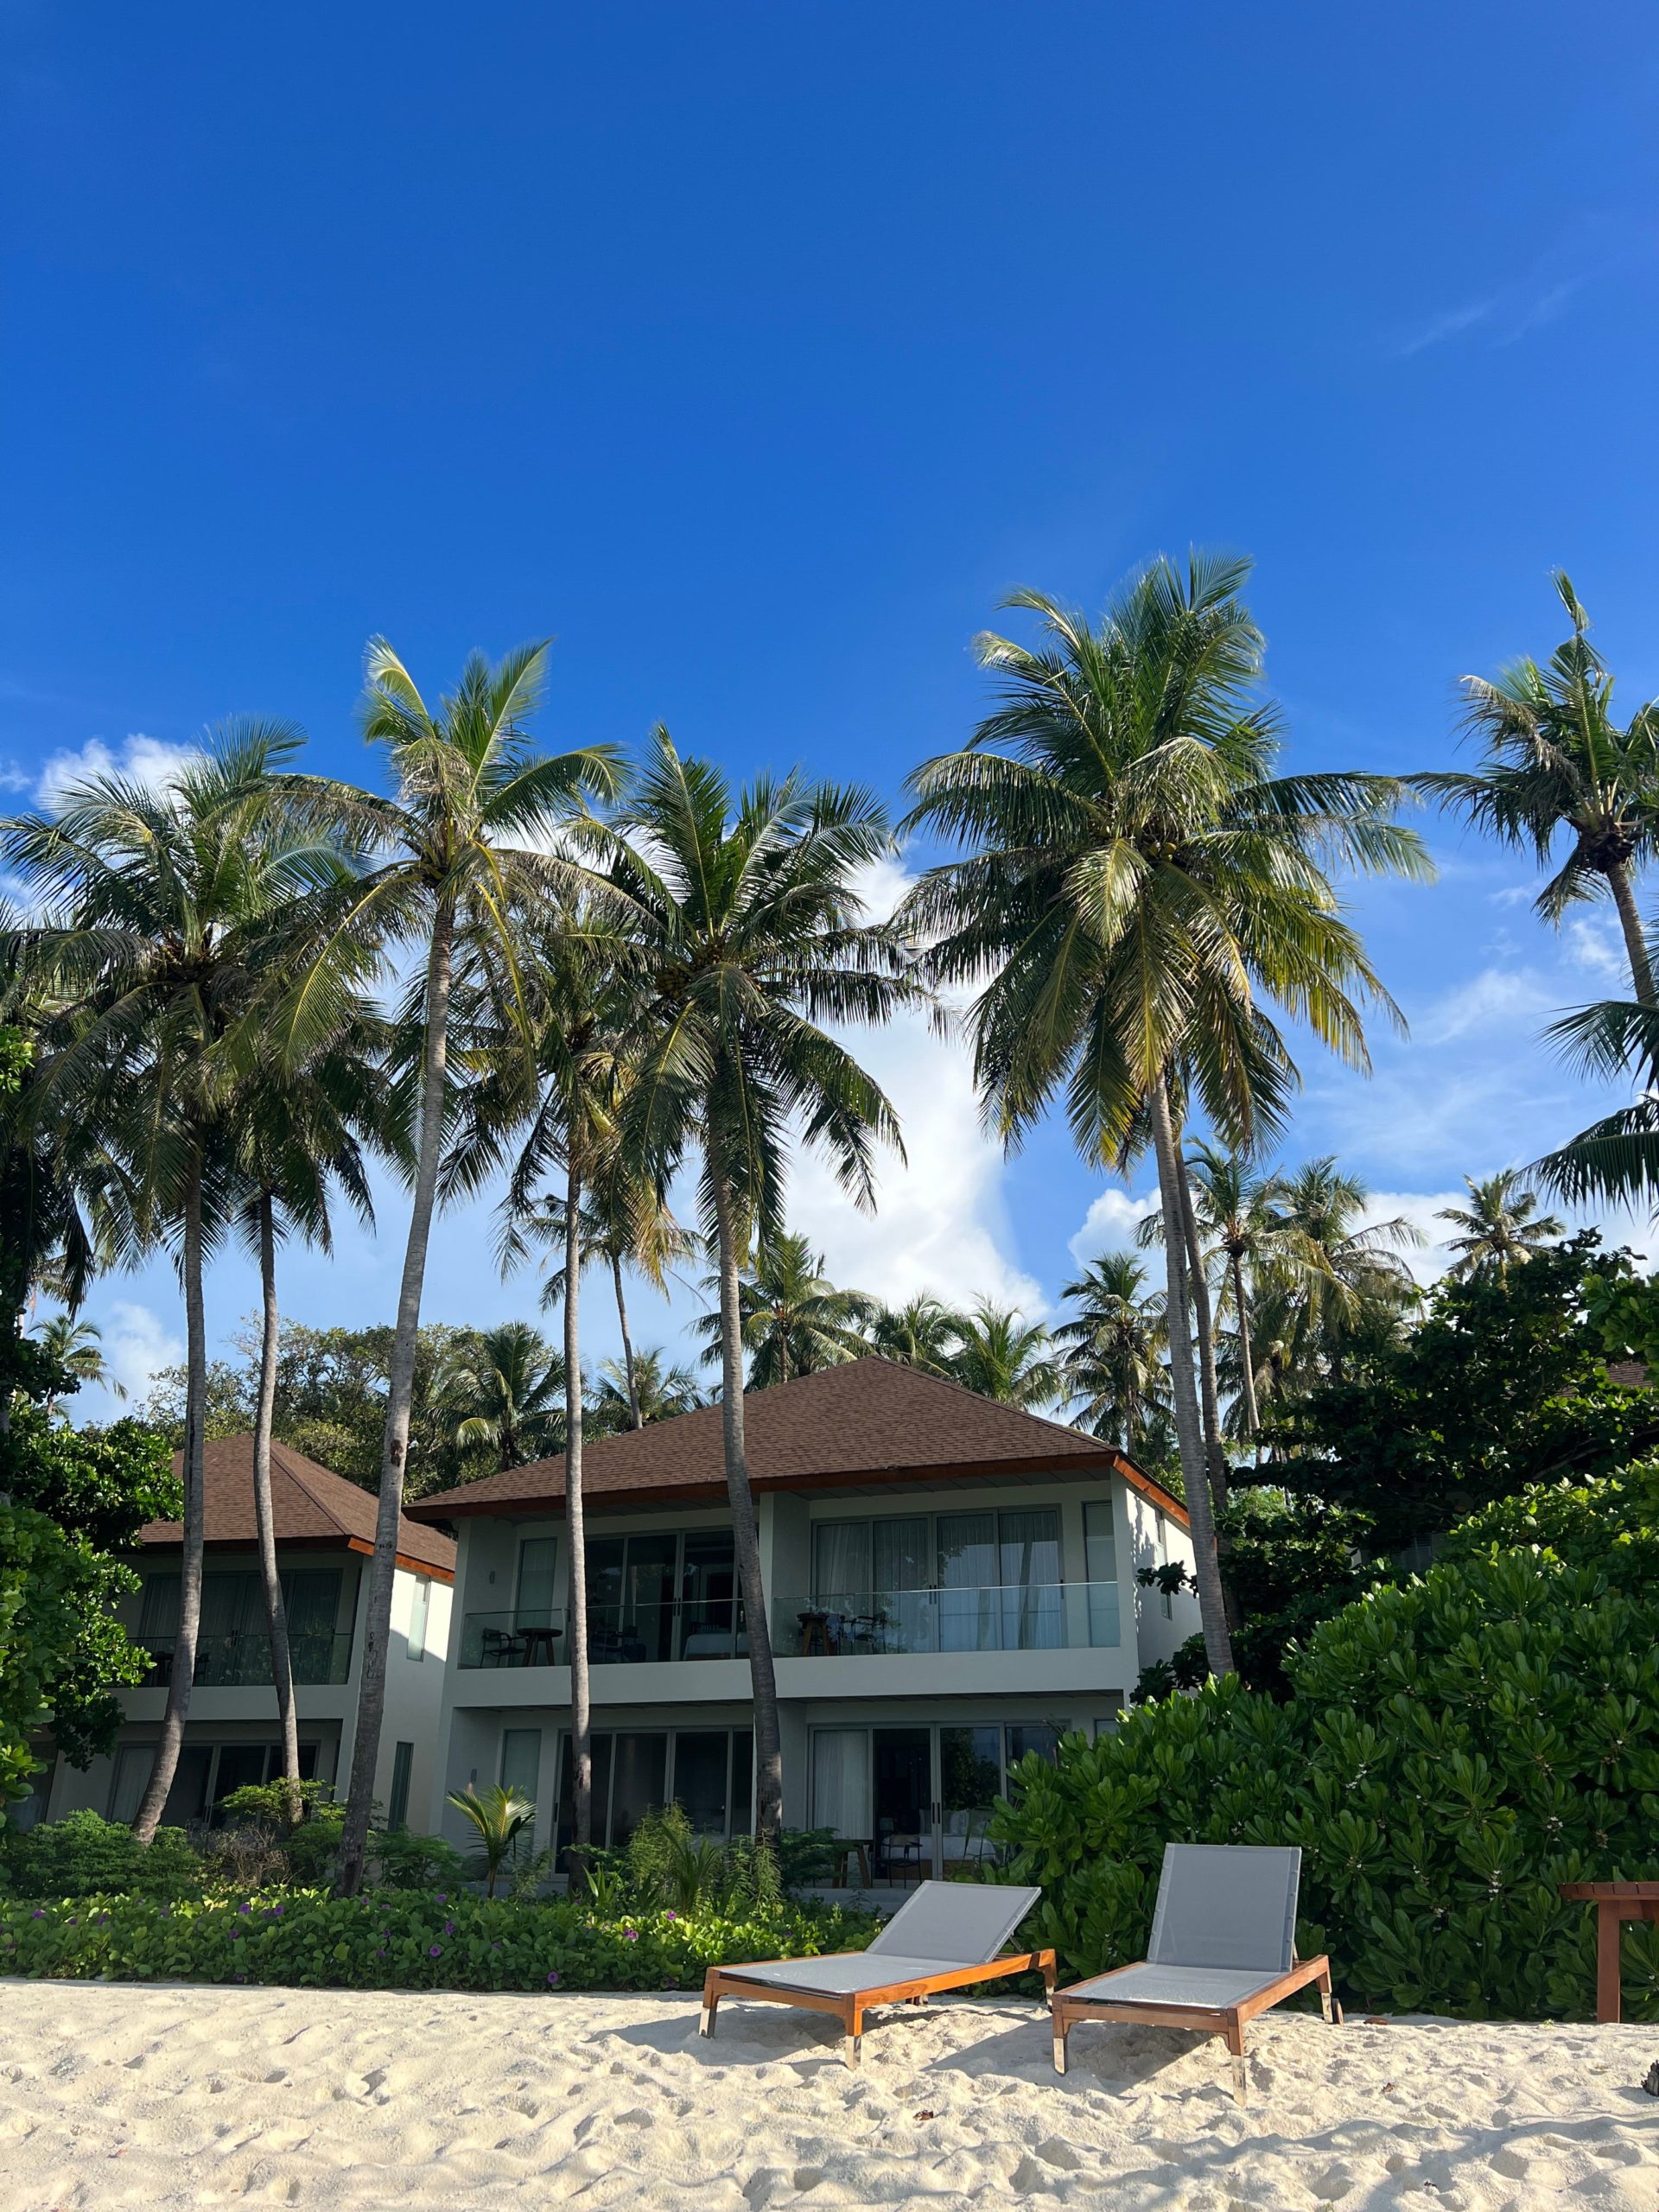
x=618, y=1635
x=1009, y=1616
x=240, y=1658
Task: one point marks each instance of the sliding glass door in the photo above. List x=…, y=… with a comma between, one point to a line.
x=920, y=1798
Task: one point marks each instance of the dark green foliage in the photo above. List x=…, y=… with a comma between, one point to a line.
x=397, y=1939
x=1503, y=1384
x=1455, y=1748
x=83, y=1856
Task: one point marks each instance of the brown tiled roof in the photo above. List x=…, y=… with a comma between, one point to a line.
x=309, y=1506
x=869, y=1422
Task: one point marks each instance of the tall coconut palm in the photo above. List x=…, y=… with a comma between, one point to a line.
x=507, y=1390
x=746, y=913
x=795, y=1321
x=1348, y=1274
x=297, y=1133
x=461, y=850
x=167, y=912
x=922, y=1332
x=1112, y=1355
x=1500, y=1228
x=1616, y=1158
x=1002, y=1356
x=1139, y=890
x=1558, y=767
x=76, y=1346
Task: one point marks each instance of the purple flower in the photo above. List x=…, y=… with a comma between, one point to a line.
x=630, y=1935
x=73, y=1918
x=436, y=1951
x=443, y=1896
x=448, y=1927
x=37, y=1915
x=381, y=1953
x=553, y=1977
x=241, y=1977
x=244, y=1908
x=672, y=1915
x=276, y=1911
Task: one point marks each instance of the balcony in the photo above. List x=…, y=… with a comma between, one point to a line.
x=1010, y=1617
x=240, y=1659
x=618, y=1635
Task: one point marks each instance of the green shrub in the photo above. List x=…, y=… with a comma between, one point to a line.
x=1454, y=1749
x=82, y=1855
x=268, y=1802
x=394, y=1939
x=408, y=1861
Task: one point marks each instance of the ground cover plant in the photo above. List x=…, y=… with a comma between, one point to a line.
x=1454, y=1749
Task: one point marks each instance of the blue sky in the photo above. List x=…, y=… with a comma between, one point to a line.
x=754, y=350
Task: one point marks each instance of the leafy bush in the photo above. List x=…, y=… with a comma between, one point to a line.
x=402, y=1940
x=82, y=1856
x=669, y=1866
x=1453, y=1750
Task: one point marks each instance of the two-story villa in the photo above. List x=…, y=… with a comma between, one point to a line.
x=951, y=1583
x=325, y=1537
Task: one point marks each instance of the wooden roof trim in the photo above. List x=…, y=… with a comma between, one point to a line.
x=410, y=1566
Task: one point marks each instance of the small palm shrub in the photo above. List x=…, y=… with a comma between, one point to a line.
x=498, y=1818
x=1454, y=1749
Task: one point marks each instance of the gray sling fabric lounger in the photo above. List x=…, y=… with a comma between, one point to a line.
x=1222, y=1950
x=944, y=1936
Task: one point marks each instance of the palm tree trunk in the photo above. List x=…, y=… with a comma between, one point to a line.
x=746, y=1538
x=627, y=1342
x=1189, y=1433
x=1246, y=1349
x=181, y=1680
x=372, y=1678
x=1635, y=945
x=1203, y=1317
x=581, y=1717
x=281, y=1669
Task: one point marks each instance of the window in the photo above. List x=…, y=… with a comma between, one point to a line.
x=1165, y=1601
x=204, y=1778
x=986, y=1580
x=662, y=1595
x=420, y=1601
x=402, y=1769
x=232, y=1639
x=537, y=1560
x=708, y=1771
x=521, y=1762
x=1100, y=1566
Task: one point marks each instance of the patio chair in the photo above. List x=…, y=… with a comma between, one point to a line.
x=1222, y=1949
x=945, y=1937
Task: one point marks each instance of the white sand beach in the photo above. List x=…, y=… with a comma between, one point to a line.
x=119, y=2095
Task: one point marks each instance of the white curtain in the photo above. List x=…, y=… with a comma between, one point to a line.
x=840, y=1563
x=841, y=1781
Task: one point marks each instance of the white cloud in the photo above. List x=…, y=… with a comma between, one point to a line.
x=137, y=1347
x=147, y=760
x=1495, y=998
x=1110, y=1223
x=1595, y=943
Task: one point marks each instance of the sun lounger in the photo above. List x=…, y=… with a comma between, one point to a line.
x=1222, y=1949
x=944, y=1936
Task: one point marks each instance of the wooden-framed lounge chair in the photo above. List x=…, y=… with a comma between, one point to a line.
x=1222, y=1949
x=946, y=1935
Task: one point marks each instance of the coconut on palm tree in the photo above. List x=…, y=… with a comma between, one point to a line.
x=1139, y=890
x=794, y=1320
x=165, y=915
x=1500, y=1228
x=462, y=851
x=1111, y=1357
x=1559, y=770
x=746, y=913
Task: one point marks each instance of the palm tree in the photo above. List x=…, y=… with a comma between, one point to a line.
x=1557, y=762
x=1112, y=1361
x=167, y=913
x=296, y=1133
x=632, y=1396
x=1346, y=1274
x=794, y=1320
x=1002, y=1357
x=462, y=850
x=78, y=1348
x=1139, y=888
x=1501, y=1225
x=923, y=1333
x=1617, y=1157
x=498, y=1818
x=752, y=935
x=506, y=1388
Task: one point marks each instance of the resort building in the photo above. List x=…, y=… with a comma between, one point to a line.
x=325, y=1536
x=951, y=1584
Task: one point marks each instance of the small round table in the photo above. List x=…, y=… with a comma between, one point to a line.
x=1615, y=1903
